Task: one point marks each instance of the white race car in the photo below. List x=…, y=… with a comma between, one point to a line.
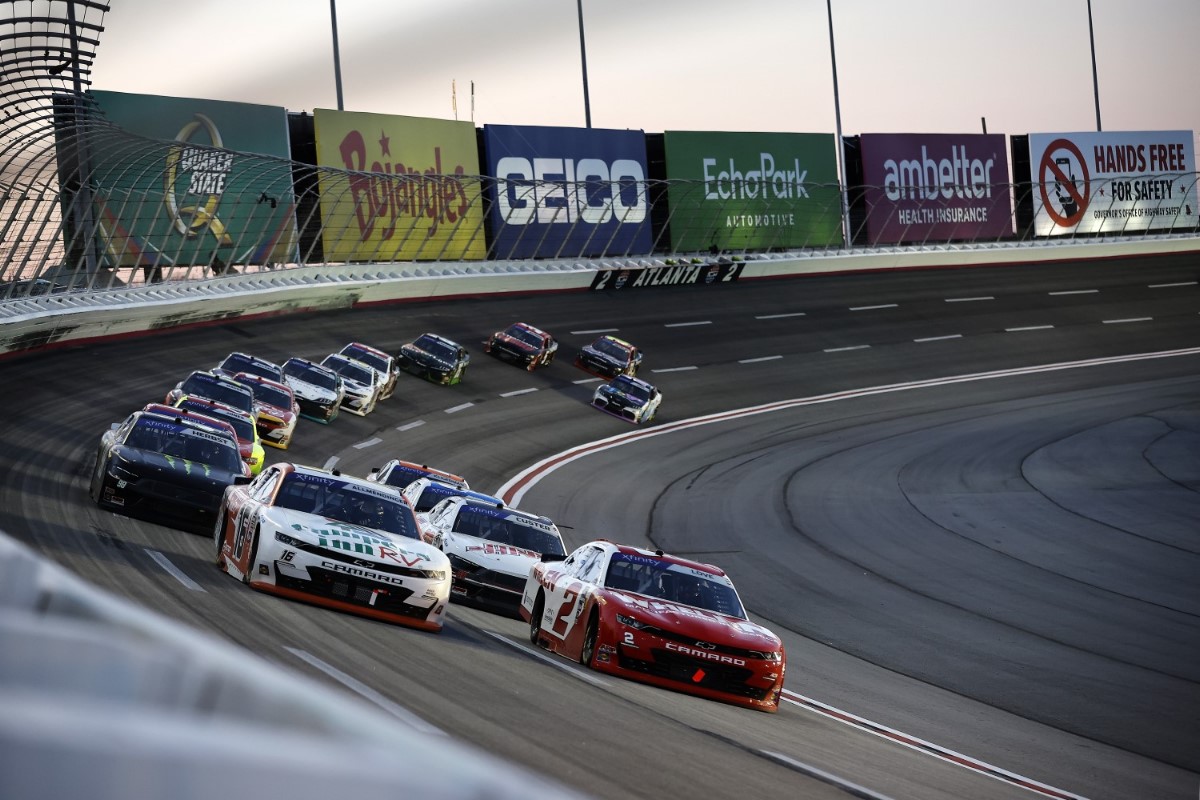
x=362, y=385
x=632, y=399
x=491, y=549
x=337, y=541
x=318, y=389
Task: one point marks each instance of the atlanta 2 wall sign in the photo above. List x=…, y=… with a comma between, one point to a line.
x=1113, y=182
x=679, y=275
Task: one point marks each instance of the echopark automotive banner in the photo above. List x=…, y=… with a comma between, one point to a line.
x=940, y=187
x=564, y=192
x=1112, y=182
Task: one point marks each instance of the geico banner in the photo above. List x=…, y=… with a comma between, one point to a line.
x=196, y=190
x=562, y=192
x=935, y=187
x=737, y=191
x=1112, y=182
x=404, y=187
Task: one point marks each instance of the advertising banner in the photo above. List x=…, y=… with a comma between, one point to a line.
x=748, y=191
x=564, y=192
x=412, y=193
x=1112, y=182
x=205, y=195
x=688, y=274
x=922, y=187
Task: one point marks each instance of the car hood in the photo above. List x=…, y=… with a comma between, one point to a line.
x=423, y=356
x=275, y=411
x=703, y=626
x=310, y=391
x=366, y=543
x=492, y=555
x=149, y=462
x=515, y=342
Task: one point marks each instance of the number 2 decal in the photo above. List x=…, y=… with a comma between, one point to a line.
x=570, y=594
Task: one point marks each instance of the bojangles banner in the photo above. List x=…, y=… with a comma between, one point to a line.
x=400, y=188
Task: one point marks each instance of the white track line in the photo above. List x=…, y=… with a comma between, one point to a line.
x=968, y=299
x=874, y=308
x=519, y=392
x=1131, y=319
x=456, y=409
x=368, y=443
x=553, y=661
x=845, y=349
x=408, y=426
x=173, y=570
x=674, y=369
x=331, y=462
x=782, y=316
x=1172, y=285
x=757, y=360
x=596, y=330
x=1073, y=291
x=1028, y=328
x=357, y=686
x=939, y=338
x=687, y=324
x=826, y=777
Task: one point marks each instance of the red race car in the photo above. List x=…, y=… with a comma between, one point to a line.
x=654, y=618
x=522, y=344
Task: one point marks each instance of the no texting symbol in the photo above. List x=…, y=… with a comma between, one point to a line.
x=1074, y=202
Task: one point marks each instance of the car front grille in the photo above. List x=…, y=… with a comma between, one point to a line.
x=357, y=591
x=695, y=672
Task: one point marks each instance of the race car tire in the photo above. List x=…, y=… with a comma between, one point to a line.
x=253, y=557
x=219, y=536
x=458, y=373
x=94, y=483
x=587, y=652
x=535, y=620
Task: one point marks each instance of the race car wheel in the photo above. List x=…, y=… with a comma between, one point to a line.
x=253, y=556
x=588, y=651
x=219, y=536
x=458, y=373
x=94, y=485
x=535, y=619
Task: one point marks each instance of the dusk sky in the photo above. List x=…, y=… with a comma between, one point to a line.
x=656, y=65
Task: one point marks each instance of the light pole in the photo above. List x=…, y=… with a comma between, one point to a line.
x=587, y=105
x=1095, y=78
x=837, y=115
x=337, y=59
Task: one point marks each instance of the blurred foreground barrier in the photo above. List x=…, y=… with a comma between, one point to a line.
x=104, y=700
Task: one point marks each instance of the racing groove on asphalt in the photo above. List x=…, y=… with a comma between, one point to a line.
x=1025, y=543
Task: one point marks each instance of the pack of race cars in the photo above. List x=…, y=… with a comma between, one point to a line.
x=407, y=541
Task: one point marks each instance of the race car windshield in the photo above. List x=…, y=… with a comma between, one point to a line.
x=271, y=395
x=672, y=582
x=507, y=529
x=366, y=357
x=177, y=441
x=310, y=374
x=337, y=500
x=242, y=425
x=524, y=336
x=348, y=369
x=433, y=494
x=220, y=392
x=237, y=362
x=611, y=349
x=632, y=389
x=436, y=347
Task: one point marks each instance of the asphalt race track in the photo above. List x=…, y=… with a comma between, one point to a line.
x=997, y=577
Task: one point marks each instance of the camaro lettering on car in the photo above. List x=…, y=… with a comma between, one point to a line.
x=361, y=573
x=698, y=653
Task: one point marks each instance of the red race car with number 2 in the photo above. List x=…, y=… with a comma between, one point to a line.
x=655, y=618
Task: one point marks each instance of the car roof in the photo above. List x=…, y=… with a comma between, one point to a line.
x=359, y=483
x=250, y=377
x=615, y=340
x=251, y=358
x=631, y=379
x=630, y=550
x=438, y=337
x=373, y=350
x=206, y=376
x=186, y=422
x=165, y=410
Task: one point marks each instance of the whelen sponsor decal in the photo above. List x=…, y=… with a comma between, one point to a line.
x=705, y=654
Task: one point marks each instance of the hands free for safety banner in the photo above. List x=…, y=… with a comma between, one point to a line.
x=1113, y=182
x=935, y=187
x=564, y=192
x=203, y=196
x=413, y=191
x=734, y=191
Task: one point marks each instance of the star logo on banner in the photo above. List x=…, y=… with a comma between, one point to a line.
x=384, y=144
